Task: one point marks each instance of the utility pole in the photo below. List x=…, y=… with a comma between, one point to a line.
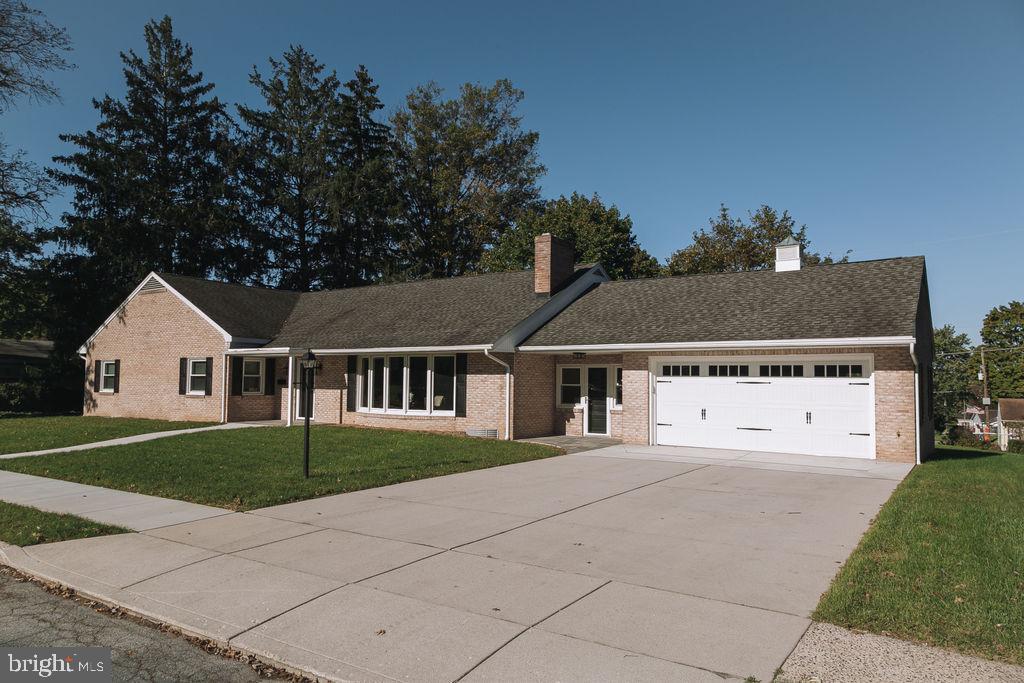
x=985, y=400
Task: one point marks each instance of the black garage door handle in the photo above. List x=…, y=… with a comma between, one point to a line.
x=756, y=429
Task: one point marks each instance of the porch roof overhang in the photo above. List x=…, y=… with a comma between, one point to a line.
x=299, y=350
x=713, y=345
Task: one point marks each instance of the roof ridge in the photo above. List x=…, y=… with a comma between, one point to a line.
x=760, y=270
x=342, y=289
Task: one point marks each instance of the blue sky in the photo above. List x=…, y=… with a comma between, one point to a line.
x=887, y=128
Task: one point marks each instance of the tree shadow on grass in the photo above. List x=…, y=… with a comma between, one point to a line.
x=961, y=453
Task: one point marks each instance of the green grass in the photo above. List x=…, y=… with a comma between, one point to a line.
x=20, y=525
x=242, y=469
x=943, y=563
x=22, y=434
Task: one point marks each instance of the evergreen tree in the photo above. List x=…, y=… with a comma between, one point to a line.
x=358, y=244
x=150, y=190
x=599, y=234
x=291, y=149
x=730, y=244
x=466, y=171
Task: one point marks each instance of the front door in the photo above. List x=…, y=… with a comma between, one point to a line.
x=596, y=421
x=300, y=405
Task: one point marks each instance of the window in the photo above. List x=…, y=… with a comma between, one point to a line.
x=196, y=376
x=444, y=383
x=252, y=376
x=838, y=370
x=377, y=384
x=396, y=382
x=364, y=383
x=781, y=371
x=404, y=384
x=618, y=387
x=728, y=370
x=680, y=371
x=569, y=386
x=108, y=379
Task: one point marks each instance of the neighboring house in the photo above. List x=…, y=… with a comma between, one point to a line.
x=973, y=418
x=18, y=355
x=826, y=360
x=1010, y=419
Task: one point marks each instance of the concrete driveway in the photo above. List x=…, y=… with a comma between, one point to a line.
x=622, y=563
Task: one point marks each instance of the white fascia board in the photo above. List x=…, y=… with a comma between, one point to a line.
x=85, y=347
x=275, y=351
x=754, y=343
x=400, y=349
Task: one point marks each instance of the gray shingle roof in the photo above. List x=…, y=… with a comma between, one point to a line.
x=865, y=299
x=250, y=312
x=460, y=311
x=1011, y=409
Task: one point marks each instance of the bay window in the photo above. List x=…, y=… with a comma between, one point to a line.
x=402, y=384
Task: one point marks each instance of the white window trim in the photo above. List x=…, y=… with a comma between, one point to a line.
x=808, y=361
x=583, y=367
x=262, y=364
x=615, y=370
x=366, y=379
x=103, y=375
x=189, y=375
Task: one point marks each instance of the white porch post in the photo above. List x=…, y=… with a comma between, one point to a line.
x=291, y=392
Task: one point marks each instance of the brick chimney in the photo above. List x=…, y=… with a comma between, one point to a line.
x=553, y=263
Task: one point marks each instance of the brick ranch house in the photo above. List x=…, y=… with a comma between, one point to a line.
x=823, y=360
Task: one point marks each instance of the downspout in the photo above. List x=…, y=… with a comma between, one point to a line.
x=508, y=392
x=917, y=404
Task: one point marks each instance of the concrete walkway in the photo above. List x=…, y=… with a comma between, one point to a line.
x=574, y=444
x=616, y=564
x=129, y=510
x=138, y=438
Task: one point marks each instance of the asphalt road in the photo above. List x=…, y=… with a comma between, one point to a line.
x=30, y=616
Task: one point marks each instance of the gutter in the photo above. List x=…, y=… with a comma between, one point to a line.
x=508, y=393
x=917, y=404
x=708, y=345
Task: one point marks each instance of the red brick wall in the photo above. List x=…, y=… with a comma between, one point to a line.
x=150, y=334
x=259, y=406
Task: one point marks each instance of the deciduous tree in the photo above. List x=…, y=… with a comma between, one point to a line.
x=1002, y=333
x=951, y=372
x=599, y=233
x=730, y=244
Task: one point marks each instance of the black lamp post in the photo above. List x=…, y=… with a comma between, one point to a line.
x=308, y=364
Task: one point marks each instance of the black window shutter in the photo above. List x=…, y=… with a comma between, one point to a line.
x=117, y=375
x=209, y=375
x=97, y=378
x=269, y=376
x=182, y=375
x=461, y=360
x=236, y=375
x=350, y=384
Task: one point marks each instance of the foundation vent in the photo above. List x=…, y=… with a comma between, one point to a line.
x=483, y=433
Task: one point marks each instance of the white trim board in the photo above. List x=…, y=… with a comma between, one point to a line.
x=84, y=348
x=753, y=344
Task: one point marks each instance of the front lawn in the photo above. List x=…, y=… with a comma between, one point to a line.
x=242, y=469
x=943, y=563
x=22, y=434
x=20, y=525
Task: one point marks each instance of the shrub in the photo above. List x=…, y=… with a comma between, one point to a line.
x=1015, y=446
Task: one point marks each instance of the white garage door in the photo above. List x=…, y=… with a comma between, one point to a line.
x=816, y=408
